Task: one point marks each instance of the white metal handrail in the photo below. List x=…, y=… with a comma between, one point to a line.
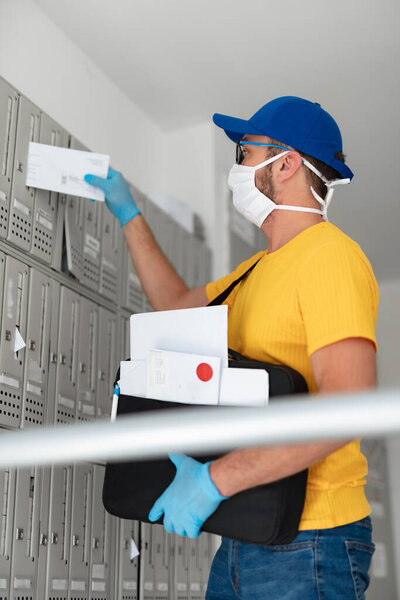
x=206, y=430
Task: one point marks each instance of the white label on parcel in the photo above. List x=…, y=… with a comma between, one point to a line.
x=244, y=387
x=183, y=377
x=62, y=170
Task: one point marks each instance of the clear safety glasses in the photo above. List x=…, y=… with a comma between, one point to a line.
x=241, y=143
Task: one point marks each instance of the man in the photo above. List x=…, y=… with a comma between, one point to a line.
x=311, y=304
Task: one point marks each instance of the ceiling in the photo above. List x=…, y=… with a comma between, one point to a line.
x=180, y=61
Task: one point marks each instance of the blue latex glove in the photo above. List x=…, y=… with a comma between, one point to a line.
x=189, y=500
x=118, y=195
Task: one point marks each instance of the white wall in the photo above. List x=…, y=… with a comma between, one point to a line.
x=45, y=65
x=388, y=334
x=42, y=63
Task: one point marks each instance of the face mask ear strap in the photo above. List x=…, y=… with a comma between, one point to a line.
x=269, y=160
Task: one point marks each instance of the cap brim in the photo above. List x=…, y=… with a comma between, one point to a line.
x=234, y=128
x=342, y=168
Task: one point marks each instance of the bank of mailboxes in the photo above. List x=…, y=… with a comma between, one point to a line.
x=56, y=540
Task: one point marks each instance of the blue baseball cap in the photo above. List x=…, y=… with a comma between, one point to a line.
x=296, y=122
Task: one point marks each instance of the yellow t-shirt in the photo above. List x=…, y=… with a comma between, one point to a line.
x=317, y=289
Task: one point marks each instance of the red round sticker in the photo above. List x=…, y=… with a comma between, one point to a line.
x=204, y=372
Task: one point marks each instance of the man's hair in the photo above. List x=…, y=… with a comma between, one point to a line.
x=328, y=172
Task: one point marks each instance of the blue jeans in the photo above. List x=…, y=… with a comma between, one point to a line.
x=320, y=564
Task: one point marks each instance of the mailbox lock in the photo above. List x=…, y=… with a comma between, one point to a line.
x=19, y=534
x=54, y=538
x=7, y=335
x=75, y=540
x=43, y=539
x=32, y=345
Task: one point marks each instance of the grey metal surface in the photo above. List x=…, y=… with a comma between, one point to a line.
x=14, y=312
x=56, y=517
x=111, y=249
x=162, y=555
x=37, y=350
x=80, y=532
x=22, y=198
x=25, y=551
x=7, y=495
x=8, y=123
x=67, y=358
x=127, y=584
x=73, y=231
x=133, y=297
x=181, y=568
x=43, y=243
x=108, y=361
x=147, y=553
x=91, y=244
x=195, y=574
x=87, y=360
x=101, y=554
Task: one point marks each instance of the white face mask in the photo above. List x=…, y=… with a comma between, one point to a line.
x=256, y=206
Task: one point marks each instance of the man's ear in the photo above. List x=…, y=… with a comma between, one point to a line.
x=288, y=166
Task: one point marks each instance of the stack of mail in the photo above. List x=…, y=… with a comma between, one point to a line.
x=182, y=356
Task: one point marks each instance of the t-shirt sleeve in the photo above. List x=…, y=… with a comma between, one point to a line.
x=214, y=288
x=338, y=296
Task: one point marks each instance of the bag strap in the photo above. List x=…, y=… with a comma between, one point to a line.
x=223, y=295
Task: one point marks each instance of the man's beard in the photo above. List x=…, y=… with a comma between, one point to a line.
x=264, y=182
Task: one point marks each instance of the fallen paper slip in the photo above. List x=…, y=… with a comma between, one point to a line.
x=183, y=377
x=244, y=387
x=193, y=330
x=62, y=170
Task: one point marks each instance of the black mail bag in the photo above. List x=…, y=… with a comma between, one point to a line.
x=267, y=514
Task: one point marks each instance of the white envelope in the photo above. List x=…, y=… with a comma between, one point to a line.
x=193, y=330
x=62, y=170
x=132, y=380
x=183, y=377
x=244, y=387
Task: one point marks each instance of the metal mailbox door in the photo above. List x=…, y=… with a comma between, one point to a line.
x=8, y=123
x=25, y=551
x=147, y=536
x=44, y=240
x=57, y=516
x=91, y=244
x=73, y=224
x=7, y=499
x=80, y=532
x=22, y=197
x=67, y=357
x=181, y=568
x=108, y=358
x=162, y=555
x=100, y=556
x=127, y=565
x=111, y=247
x=37, y=350
x=87, y=360
x=13, y=325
